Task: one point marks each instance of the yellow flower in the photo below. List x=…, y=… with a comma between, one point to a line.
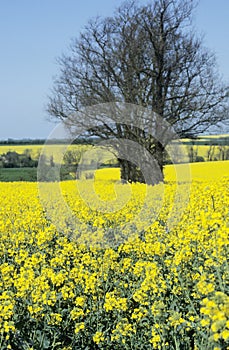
x=114, y=302
x=79, y=301
x=98, y=337
x=205, y=322
x=225, y=334
x=76, y=313
x=216, y=336
x=78, y=327
x=155, y=340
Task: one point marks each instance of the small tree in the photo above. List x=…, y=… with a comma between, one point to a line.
x=211, y=152
x=192, y=153
x=11, y=160
x=51, y=161
x=145, y=55
x=72, y=157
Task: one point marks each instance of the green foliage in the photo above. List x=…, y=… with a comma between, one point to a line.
x=12, y=159
x=200, y=159
x=18, y=174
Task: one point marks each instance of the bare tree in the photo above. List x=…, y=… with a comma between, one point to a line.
x=149, y=56
x=211, y=153
x=192, y=153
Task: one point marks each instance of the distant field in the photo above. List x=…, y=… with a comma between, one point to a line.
x=215, y=147
x=18, y=174
x=186, y=172
x=209, y=171
x=206, y=171
x=215, y=136
x=35, y=150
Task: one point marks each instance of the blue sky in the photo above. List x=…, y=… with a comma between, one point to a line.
x=34, y=33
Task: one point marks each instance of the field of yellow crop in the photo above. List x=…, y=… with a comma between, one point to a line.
x=56, y=150
x=95, y=264
x=35, y=150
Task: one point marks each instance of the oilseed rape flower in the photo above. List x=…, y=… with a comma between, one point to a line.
x=160, y=287
x=114, y=302
x=79, y=327
x=98, y=337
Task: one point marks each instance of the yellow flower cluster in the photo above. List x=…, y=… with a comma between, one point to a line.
x=165, y=286
x=114, y=302
x=216, y=315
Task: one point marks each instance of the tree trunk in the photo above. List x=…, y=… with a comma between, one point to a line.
x=149, y=171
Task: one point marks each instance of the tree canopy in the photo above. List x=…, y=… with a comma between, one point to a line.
x=145, y=55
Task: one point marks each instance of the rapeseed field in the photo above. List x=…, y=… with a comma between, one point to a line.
x=159, y=280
